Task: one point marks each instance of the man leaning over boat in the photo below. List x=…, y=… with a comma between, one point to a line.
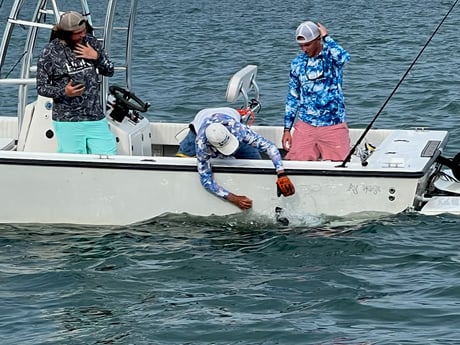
x=245, y=151
x=219, y=136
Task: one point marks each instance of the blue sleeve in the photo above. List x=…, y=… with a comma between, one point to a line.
x=339, y=55
x=246, y=135
x=293, y=96
x=203, y=156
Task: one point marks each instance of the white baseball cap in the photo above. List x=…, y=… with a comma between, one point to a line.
x=306, y=32
x=220, y=137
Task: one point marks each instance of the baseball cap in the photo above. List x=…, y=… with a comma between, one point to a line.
x=220, y=137
x=306, y=32
x=72, y=21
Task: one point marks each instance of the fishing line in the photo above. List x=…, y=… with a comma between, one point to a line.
x=347, y=159
x=14, y=66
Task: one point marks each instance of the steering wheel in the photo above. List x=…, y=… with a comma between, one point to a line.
x=125, y=98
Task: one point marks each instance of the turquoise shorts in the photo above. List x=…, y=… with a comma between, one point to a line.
x=92, y=137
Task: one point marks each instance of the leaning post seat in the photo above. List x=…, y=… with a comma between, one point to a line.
x=37, y=132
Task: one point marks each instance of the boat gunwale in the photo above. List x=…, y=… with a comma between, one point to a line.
x=189, y=165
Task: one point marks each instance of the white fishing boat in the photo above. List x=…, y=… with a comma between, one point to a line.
x=388, y=171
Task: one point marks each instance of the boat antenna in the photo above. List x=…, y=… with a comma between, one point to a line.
x=348, y=157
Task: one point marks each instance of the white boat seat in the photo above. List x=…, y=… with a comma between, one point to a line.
x=241, y=83
x=37, y=132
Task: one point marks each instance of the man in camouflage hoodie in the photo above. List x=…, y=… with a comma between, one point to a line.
x=68, y=71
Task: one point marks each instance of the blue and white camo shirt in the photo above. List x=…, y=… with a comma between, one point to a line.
x=205, y=151
x=315, y=87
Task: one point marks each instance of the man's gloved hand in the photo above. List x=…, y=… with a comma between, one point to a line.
x=284, y=185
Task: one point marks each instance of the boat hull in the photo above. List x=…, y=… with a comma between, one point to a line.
x=115, y=190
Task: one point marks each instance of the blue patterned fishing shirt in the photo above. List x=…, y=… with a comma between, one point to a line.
x=205, y=151
x=315, y=87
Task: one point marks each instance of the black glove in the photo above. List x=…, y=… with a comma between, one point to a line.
x=284, y=185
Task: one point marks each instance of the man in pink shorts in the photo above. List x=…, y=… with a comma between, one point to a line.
x=315, y=95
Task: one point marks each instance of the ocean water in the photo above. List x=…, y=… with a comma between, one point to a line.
x=179, y=279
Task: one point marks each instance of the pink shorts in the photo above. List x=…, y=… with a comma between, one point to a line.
x=310, y=143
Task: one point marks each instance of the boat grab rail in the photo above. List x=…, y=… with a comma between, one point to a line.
x=28, y=23
x=18, y=81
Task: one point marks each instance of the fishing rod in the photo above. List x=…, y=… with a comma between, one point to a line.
x=348, y=157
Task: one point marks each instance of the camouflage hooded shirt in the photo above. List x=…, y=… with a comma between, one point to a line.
x=57, y=65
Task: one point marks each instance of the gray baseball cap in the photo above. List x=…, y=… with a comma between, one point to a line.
x=72, y=21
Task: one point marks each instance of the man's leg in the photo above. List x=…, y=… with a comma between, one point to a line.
x=70, y=137
x=246, y=151
x=187, y=146
x=334, y=142
x=304, y=143
x=100, y=139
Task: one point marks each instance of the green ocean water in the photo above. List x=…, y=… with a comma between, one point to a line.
x=180, y=279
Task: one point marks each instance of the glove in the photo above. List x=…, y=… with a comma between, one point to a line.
x=284, y=185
